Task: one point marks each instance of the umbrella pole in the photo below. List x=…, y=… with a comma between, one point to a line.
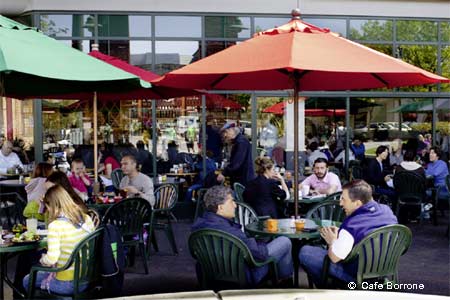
x=95, y=141
x=296, y=177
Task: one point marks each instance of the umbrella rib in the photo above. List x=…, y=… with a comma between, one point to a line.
x=222, y=77
x=378, y=77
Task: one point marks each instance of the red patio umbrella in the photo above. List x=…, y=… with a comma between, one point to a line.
x=278, y=109
x=220, y=102
x=301, y=57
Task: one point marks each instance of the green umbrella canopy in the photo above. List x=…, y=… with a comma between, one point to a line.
x=412, y=106
x=32, y=64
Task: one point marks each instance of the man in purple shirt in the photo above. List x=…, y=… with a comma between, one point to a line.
x=322, y=181
x=439, y=170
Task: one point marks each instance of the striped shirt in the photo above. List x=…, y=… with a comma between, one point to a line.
x=62, y=238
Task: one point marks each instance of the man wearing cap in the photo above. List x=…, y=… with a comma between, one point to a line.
x=240, y=168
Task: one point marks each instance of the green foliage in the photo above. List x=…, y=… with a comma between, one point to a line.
x=426, y=127
x=49, y=27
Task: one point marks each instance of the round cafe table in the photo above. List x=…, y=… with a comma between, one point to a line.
x=7, y=250
x=298, y=238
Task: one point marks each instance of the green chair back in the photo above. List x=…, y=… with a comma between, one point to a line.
x=378, y=254
x=11, y=209
x=357, y=172
x=116, y=177
x=336, y=197
x=86, y=263
x=239, y=190
x=223, y=258
x=327, y=210
x=244, y=214
x=130, y=215
x=166, y=197
x=410, y=188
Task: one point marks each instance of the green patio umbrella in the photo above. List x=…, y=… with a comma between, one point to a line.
x=33, y=65
x=412, y=106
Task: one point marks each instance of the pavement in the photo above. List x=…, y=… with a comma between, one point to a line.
x=426, y=262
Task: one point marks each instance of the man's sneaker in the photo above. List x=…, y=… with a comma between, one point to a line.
x=427, y=207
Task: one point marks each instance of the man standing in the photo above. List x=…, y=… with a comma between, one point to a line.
x=363, y=216
x=134, y=182
x=322, y=181
x=220, y=211
x=9, y=159
x=240, y=168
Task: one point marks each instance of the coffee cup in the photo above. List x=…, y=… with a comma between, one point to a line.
x=272, y=224
x=299, y=224
x=305, y=190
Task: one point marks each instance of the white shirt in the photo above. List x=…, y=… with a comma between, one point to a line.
x=343, y=245
x=9, y=161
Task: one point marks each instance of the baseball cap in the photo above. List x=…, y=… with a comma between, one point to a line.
x=228, y=125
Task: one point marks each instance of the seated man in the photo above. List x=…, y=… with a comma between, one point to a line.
x=322, y=181
x=134, y=182
x=8, y=159
x=219, y=214
x=314, y=153
x=363, y=216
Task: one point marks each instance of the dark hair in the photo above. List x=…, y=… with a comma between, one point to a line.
x=359, y=190
x=263, y=164
x=140, y=144
x=320, y=160
x=437, y=150
x=131, y=157
x=216, y=196
x=313, y=146
x=43, y=169
x=107, y=152
x=409, y=155
x=381, y=149
x=60, y=178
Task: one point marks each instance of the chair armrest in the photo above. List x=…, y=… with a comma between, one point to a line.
x=272, y=266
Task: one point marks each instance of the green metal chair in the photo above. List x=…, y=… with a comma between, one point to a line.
x=239, y=190
x=129, y=215
x=222, y=259
x=245, y=214
x=333, y=197
x=200, y=204
x=410, y=188
x=116, y=177
x=166, y=197
x=377, y=255
x=327, y=210
x=86, y=263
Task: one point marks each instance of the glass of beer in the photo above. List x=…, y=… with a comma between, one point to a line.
x=272, y=224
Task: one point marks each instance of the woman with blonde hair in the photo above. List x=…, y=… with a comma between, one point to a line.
x=36, y=189
x=263, y=192
x=68, y=225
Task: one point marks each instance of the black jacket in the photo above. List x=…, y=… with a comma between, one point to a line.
x=262, y=194
x=240, y=168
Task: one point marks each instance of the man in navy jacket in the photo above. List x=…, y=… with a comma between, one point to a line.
x=240, y=169
x=363, y=216
x=220, y=211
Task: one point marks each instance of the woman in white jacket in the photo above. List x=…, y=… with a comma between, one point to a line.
x=36, y=190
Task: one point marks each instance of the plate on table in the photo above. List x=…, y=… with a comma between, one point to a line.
x=25, y=239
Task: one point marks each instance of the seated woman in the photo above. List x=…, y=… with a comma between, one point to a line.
x=36, y=189
x=107, y=163
x=438, y=169
x=60, y=178
x=68, y=226
x=263, y=192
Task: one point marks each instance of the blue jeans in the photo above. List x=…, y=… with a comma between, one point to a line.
x=280, y=249
x=311, y=259
x=56, y=286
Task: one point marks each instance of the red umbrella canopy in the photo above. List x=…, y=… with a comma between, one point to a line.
x=220, y=102
x=320, y=59
x=278, y=109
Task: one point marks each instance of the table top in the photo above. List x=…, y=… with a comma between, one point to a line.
x=284, y=229
x=18, y=247
x=12, y=183
x=172, y=180
x=181, y=174
x=307, y=200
